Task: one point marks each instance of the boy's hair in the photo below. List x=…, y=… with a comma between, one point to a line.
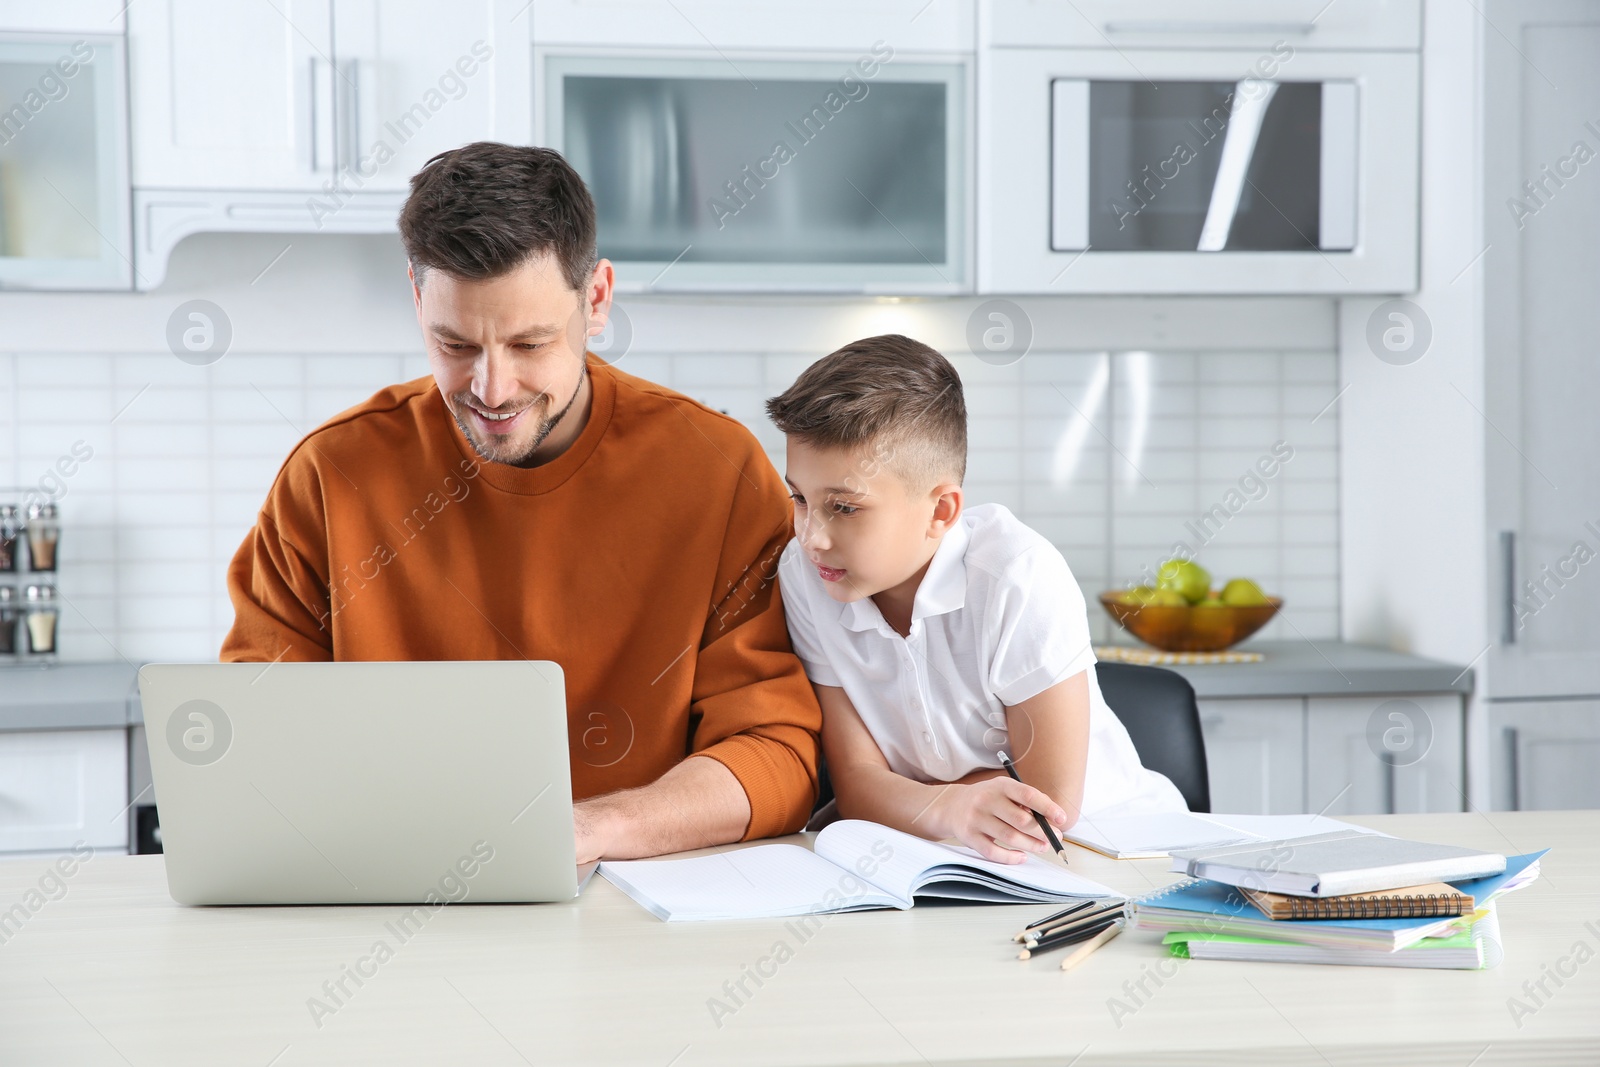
x=889, y=393
x=484, y=209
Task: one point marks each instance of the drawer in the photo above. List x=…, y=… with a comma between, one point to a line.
x=59, y=787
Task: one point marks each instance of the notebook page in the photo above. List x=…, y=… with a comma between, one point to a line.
x=897, y=863
x=764, y=881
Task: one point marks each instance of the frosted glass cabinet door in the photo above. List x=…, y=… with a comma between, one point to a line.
x=750, y=174
x=63, y=164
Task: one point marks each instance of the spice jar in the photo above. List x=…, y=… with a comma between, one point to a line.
x=10, y=612
x=40, y=619
x=10, y=531
x=44, y=534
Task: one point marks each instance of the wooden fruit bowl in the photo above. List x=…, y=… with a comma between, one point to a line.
x=1189, y=627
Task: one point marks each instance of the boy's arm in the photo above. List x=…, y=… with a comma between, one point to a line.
x=994, y=816
x=1050, y=738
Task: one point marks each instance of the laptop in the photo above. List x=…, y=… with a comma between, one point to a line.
x=362, y=783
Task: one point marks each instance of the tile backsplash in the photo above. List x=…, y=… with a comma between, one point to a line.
x=1116, y=456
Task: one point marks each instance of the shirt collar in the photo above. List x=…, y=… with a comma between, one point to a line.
x=943, y=588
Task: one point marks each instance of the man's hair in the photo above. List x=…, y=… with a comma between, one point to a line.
x=890, y=394
x=482, y=210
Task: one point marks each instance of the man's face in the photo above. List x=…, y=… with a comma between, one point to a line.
x=862, y=528
x=507, y=354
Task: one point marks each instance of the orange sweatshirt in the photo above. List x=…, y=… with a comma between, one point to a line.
x=643, y=560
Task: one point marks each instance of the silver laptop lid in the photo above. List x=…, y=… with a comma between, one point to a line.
x=361, y=783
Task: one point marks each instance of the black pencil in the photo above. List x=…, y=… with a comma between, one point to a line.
x=1050, y=835
x=1073, y=938
x=1062, y=914
x=1111, y=911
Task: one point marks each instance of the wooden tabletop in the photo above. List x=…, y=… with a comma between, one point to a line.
x=113, y=972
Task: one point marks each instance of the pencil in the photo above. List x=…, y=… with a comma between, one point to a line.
x=1061, y=941
x=1062, y=914
x=1110, y=911
x=1049, y=834
x=1085, y=950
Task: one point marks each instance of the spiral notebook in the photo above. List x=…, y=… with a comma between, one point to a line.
x=1434, y=900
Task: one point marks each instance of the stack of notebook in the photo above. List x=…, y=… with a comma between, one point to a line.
x=1338, y=898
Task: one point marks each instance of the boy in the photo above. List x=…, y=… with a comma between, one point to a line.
x=937, y=637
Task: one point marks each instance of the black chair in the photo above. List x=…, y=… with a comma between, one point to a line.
x=1158, y=708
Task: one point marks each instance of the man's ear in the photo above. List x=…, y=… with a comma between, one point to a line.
x=602, y=285
x=416, y=290
x=948, y=503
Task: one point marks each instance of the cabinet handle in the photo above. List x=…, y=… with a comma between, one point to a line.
x=350, y=114
x=322, y=132
x=1508, y=571
x=1169, y=26
x=1515, y=775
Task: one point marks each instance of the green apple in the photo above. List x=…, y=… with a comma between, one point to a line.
x=1186, y=578
x=1168, y=598
x=1242, y=592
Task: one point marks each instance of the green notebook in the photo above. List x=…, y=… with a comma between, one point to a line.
x=1474, y=949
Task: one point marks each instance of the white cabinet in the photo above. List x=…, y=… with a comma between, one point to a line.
x=231, y=96
x=1335, y=755
x=1384, y=754
x=309, y=115
x=60, y=787
x=1545, y=754
x=63, y=162
x=1255, y=755
x=1542, y=212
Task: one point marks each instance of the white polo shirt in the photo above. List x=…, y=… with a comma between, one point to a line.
x=998, y=619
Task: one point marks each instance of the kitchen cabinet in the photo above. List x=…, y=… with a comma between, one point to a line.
x=63, y=162
x=740, y=172
x=1384, y=754
x=1255, y=755
x=309, y=115
x=60, y=787
x=1283, y=755
x=1545, y=754
x=1542, y=211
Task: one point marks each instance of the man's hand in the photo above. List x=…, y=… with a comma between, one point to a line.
x=995, y=819
x=696, y=804
x=589, y=828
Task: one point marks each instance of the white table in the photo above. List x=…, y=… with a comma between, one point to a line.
x=115, y=973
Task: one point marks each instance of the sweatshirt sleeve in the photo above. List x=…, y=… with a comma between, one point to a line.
x=752, y=708
x=278, y=580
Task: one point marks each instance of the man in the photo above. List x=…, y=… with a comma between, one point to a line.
x=529, y=501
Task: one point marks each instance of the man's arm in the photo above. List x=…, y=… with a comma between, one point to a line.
x=697, y=804
x=280, y=600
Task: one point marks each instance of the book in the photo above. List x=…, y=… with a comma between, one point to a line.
x=1336, y=864
x=1134, y=837
x=1214, y=907
x=1477, y=947
x=853, y=865
x=1433, y=900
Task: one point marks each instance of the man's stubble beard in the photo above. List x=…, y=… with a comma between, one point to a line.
x=545, y=428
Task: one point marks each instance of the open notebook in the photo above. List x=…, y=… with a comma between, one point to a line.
x=853, y=866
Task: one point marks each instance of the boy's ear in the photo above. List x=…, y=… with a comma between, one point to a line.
x=947, y=506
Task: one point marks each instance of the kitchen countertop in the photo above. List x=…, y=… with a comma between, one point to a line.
x=81, y=696
x=68, y=696
x=1324, y=669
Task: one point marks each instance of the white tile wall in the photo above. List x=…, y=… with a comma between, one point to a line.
x=1109, y=454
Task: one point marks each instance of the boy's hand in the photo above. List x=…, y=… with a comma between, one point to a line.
x=995, y=818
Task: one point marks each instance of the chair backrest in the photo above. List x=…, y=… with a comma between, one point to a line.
x=1158, y=708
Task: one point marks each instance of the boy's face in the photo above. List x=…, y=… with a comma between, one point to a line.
x=861, y=526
